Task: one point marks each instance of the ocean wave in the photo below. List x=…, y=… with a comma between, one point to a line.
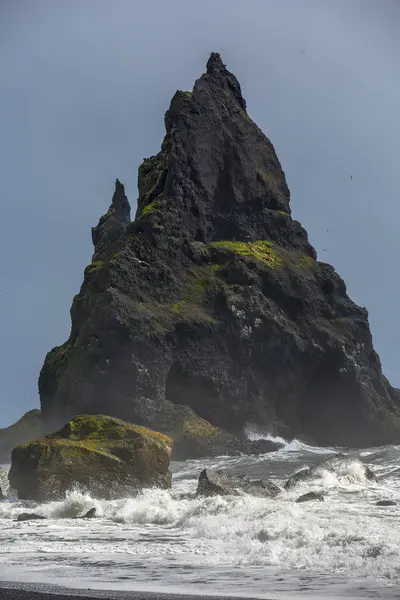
x=347, y=533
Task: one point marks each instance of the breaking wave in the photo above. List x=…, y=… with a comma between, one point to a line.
x=176, y=537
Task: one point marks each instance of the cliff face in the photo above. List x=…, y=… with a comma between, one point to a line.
x=213, y=298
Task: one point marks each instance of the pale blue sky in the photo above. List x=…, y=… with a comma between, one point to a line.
x=84, y=85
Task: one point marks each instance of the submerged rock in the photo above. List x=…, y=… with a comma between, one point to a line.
x=29, y=517
x=222, y=483
x=102, y=455
x=90, y=514
x=339, y=464
x=303, y=475
x=262, y=446
x=311, y=496
x=386, y=503
x=213, y=297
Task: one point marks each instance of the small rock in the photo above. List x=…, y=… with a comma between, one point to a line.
x=262, y=446
x=386, y=503
x=91, y=514
x=29, y=517
x=336, y=464
x=303, y=475
x=222, y=483
x=311, y=496
x=370, y=475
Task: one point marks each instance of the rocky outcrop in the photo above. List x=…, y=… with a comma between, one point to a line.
x=193, y=436
x=29, y=427
x=310, y=496
x=222, y=483
x=90, y=514
x=340, y=464
x=262, y=446
x=113, y=224
x=386, y=503
x=101, y=455
x=213, y=297
x=29, y=517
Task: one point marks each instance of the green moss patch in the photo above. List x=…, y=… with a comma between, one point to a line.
x=154, y=205
x=99, y=430
x=304, y=261
x=261, y=250
x=197, y=427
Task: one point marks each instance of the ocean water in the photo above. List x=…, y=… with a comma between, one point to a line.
x=344, y=547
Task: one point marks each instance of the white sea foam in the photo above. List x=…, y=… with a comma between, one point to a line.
x=177, y=538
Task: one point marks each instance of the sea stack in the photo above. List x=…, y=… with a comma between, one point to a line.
x=212, y=299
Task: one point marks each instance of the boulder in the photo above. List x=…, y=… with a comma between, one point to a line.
x=262, y=446
x=222, y=483
x=90, y=514
x=311, y=496
x=299, y=477
x=104, y=456
x=337, y=464
x=29, y=517
x=386, y=503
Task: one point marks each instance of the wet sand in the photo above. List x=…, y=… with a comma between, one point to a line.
x=16, y=591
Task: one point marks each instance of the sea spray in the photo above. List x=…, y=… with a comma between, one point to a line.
x=177, y=539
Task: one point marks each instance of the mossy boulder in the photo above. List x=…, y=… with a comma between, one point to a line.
x=104, y=456
x=29, y=427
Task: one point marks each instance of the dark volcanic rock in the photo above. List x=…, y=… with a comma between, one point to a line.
x=29, y=427
x=213, y=297
x=262, y=446
x=222, y=483
x=113, y=224
x=29, y=517
x=303, y=475
x=386, y=503
x=101, y=455
x=90, y=514
x=193, y=436
x=311, y=496
x=340, y=464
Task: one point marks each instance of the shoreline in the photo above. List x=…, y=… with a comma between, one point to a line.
x=10, y=590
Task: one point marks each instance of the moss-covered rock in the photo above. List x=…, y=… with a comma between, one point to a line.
x=29, y=427
x=213, y=298
x=193, y=436
x=104, y=456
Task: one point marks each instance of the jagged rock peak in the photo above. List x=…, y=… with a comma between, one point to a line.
x=217, y=176
x=215, y=63
x=212, y=298
x=120, y=202
x=114, y=223
x=217, y=68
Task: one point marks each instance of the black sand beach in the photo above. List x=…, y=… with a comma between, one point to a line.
x=16, y=591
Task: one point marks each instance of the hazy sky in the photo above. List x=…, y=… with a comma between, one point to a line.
x=84, y=85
